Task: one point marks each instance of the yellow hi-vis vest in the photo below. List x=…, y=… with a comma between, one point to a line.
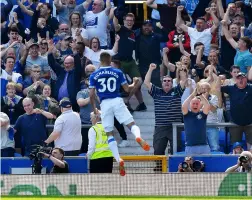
x=101, y=148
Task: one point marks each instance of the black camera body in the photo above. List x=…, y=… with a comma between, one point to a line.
x=35, y=152
x=197, y=166
x=243, y=159
x=37, y=157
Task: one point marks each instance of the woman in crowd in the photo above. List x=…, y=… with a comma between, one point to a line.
x=182, y=73
x=93, y=53
x=76, y=27
x=11, y=104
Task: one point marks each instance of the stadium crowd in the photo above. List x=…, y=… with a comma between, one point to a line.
x=47, y=59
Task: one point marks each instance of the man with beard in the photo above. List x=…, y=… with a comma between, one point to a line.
x=240, y=96
x=147, y=51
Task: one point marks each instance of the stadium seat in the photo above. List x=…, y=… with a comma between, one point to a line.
x=180, y=153
x=217, y=152
x=17, y=155
x=82, y=154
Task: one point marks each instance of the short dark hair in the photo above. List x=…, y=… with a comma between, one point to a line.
x=49, y=7
x=117, y=63
x=129, y=15
x=247, y=40
x=198, y=44
x=13, y=28
x=60, y=150
x=234, y=67
x=5, y=60
x=201, y=18
x=105, y=58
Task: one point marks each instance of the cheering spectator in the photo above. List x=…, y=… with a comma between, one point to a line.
x=8, y=75
x=93, y=53
x=125, y=52
x=212, y=117
x=199, y=33
x=44, y=101
x=35, y=59
x=76, y=27
x=67, y=130
x=226, y=50
x=30, y=128
x=69, y=77
x=240, y=96
x=173, y=43
x=34, y=79
x=97, y=21
x=64, y=10
x=7, y=136
x=11, y=104
x=195, y=122
x=243, y=57
x=170, y=99
x=182, y=75
x=42, y=21
x=147, y=52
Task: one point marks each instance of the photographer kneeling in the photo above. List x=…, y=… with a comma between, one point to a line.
x=244, y=163
x=57, y=157
x=189, y=165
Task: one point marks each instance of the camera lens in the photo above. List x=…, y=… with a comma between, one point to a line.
x=197, y=165
x=184, y=165
x=243, y=159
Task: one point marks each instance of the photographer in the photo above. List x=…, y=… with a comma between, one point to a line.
x=189, y=165
x=244, y=163
x=57, y=157
x=186, y=166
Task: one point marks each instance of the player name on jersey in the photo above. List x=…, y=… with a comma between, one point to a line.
x=105, y=72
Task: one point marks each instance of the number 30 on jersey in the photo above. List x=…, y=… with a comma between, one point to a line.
x=107, y=84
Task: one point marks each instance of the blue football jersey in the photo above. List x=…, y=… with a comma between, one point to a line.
x=107, y=82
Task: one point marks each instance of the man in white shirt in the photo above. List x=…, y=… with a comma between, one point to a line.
x=67, y=130
x=97, y=21
x=199, y=33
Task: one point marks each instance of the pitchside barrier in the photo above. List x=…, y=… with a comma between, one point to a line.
x=167, y=184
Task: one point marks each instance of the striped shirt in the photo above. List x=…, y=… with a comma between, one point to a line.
x=167, y=105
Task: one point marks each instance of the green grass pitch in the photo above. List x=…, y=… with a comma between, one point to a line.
x=121, y=198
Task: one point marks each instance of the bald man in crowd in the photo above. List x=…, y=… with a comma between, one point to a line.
x=69, y=77
x=195, y=123
x=31, y=127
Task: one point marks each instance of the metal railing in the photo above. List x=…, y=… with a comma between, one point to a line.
x=175, y=125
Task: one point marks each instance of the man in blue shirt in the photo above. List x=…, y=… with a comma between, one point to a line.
x=31, y=126
x=195, y=123
x=107, y=82
x=240, y=96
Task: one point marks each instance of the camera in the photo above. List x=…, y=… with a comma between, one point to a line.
x=243, y=159
x=198, y=165
x=184, y=165
x=37, y=157
x=35, y=152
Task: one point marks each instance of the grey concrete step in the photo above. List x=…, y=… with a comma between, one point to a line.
x=145, y=130
x=135, y=151
x=144, y=115
x=133, y=143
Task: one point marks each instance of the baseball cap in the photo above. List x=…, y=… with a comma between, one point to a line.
x=147, y=21
x=241, y=74
x=65, y=103
x=237, y=144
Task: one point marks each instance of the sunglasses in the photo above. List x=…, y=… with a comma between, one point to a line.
x=44, y=43
x=36, y=71
x=167, y=81
x=183, y=70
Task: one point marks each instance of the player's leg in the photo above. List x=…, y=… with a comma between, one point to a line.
x=123, y=115
x=107, y=117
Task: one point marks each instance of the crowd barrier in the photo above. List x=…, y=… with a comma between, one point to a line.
x=168, y=184
x=219, y=125
x=213, y=163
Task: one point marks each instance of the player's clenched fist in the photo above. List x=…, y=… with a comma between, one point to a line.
x=153, y=66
